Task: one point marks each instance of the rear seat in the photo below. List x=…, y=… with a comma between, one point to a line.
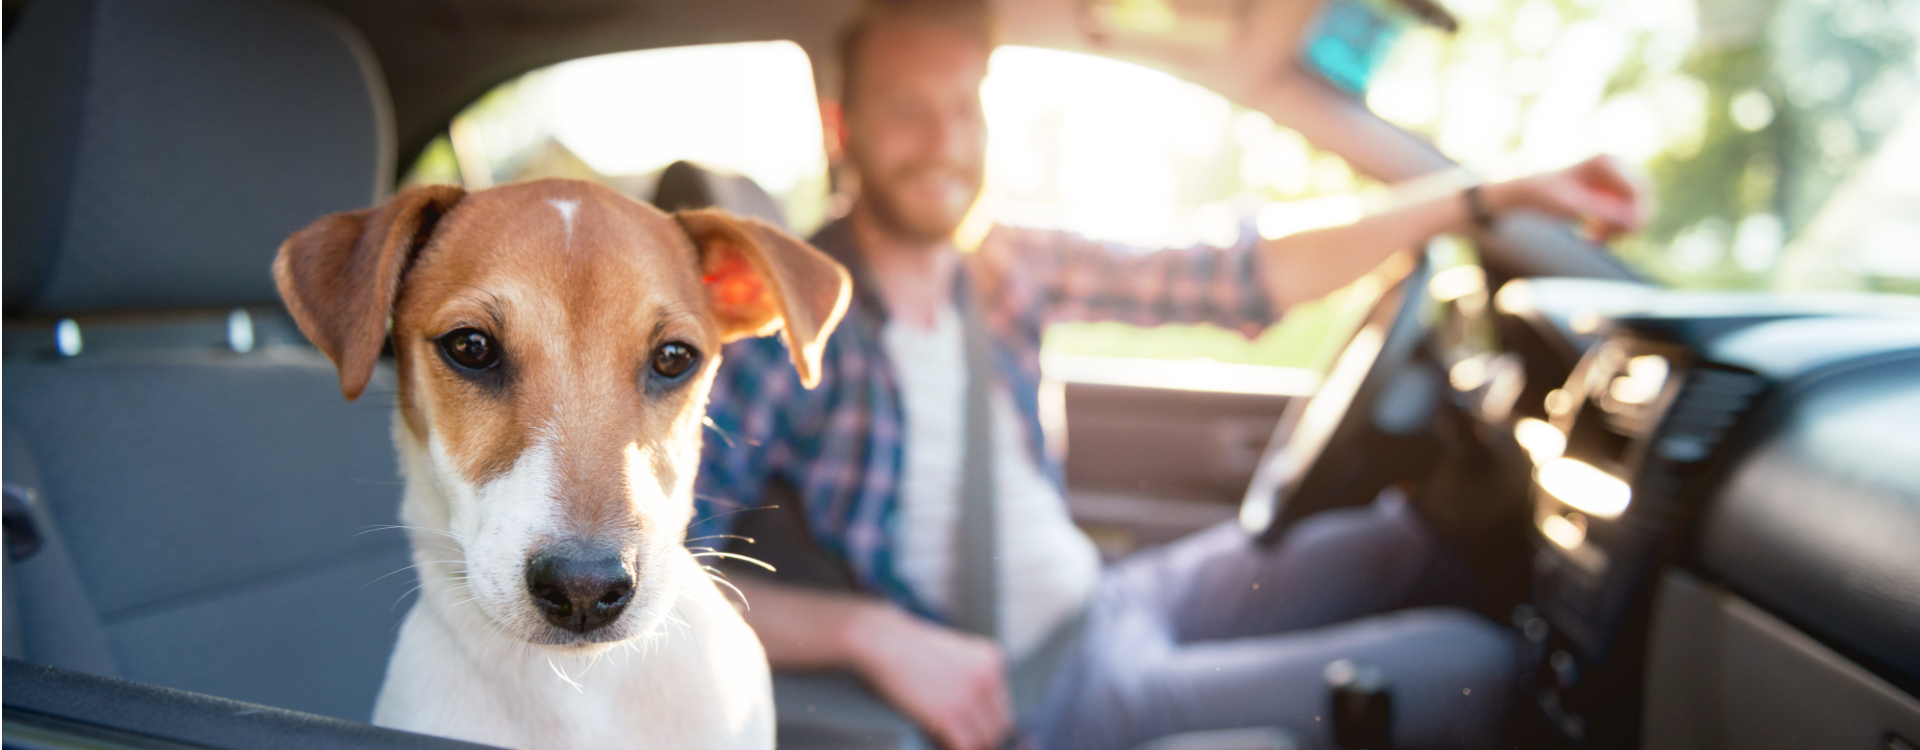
x=191, y=451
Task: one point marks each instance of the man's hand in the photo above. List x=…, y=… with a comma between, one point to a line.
x=953, y=684
x=1599, y=191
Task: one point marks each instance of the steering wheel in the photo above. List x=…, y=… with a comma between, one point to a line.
x=1368, y=426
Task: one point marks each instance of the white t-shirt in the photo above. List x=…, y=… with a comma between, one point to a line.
x=1047, y=567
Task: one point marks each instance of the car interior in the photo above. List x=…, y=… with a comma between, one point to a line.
x=1698, y=510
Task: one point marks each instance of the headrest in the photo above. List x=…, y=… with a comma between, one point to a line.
x=685, y=185
x=158, y=151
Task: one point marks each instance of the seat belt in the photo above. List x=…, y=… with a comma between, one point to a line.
x=976, y=581
x=976, y=590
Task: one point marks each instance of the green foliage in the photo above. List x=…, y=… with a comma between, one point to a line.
x=1298, y=340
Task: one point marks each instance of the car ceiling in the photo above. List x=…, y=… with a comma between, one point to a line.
x=439, y=55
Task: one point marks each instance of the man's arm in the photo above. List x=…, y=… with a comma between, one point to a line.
x=952, y=684
x=1057, y=276
x=1307, y=265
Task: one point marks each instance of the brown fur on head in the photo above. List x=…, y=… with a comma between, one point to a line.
x=571, y=436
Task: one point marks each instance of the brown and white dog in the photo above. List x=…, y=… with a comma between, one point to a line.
x=555, y=342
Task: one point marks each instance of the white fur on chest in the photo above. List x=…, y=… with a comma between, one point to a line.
x=698, y=681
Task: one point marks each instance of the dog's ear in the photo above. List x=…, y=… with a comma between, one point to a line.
x=760, y=279
x=339, y=276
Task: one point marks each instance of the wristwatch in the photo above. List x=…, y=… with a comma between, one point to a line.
x=1477, y=207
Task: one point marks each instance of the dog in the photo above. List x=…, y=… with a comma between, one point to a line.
x=554, y=343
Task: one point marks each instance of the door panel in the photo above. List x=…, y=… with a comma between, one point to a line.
x=1149, y=465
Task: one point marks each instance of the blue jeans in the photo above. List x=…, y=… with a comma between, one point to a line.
x=1217, y=632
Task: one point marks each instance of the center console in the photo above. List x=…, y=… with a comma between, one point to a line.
x=1628, y=433
x=1629, y=443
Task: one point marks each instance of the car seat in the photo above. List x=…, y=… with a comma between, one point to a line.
x=189, y=499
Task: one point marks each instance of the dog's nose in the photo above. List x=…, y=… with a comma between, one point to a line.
x=578, y=593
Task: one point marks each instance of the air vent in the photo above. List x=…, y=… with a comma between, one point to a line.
x=1693, y=427
x=1710, y=403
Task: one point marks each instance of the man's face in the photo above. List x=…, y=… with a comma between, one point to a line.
x=914, y=130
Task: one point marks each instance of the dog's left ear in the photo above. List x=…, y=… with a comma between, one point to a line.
x=760, y=279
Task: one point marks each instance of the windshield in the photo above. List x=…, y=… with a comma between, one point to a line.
x=1782, y=137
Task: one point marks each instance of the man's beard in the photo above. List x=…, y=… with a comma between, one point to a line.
x=928, y=225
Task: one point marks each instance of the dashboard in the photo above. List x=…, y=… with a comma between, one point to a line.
x=1766, y=447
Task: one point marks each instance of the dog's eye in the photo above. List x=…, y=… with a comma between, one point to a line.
x=470, y=348
x=673, y=359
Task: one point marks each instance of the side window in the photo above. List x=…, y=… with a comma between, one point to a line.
x=618, y=119
x=1118, y=151
x=1779, y=136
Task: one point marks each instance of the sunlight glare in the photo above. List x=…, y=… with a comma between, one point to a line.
x=1089, y=143
x=756, y=114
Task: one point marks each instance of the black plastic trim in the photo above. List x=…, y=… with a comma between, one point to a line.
x=91, y=711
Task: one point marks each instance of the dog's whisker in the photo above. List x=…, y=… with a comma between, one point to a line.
x=444, y=609
x=497, y=630
x=403, y=597
x=563, y=676
x=407, y=568
x=423, y=584
x=724, y=437
x=746, y=539
x=441, y=546
x=736, y=591
x=735, y=556
x=731, y=512
x=718, y=500
x=393, y=527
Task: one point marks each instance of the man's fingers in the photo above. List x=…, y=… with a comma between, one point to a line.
x=1610, y=177
x=993, y=720
x=1606, y=173
x=1001, y=704
x=955, y=734
x=958, y=729
x=1617, y=214
x=986, y=704
x=979, y=729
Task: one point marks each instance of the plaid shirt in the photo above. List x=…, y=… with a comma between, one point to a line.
x=840, y=444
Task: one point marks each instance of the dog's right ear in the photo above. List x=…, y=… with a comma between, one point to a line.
x=340, y=275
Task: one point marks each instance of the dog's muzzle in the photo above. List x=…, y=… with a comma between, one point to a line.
x=577, y=593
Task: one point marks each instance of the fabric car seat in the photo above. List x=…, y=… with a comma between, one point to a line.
x=191, y=495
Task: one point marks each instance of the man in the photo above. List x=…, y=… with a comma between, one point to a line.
x=1210, y=632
